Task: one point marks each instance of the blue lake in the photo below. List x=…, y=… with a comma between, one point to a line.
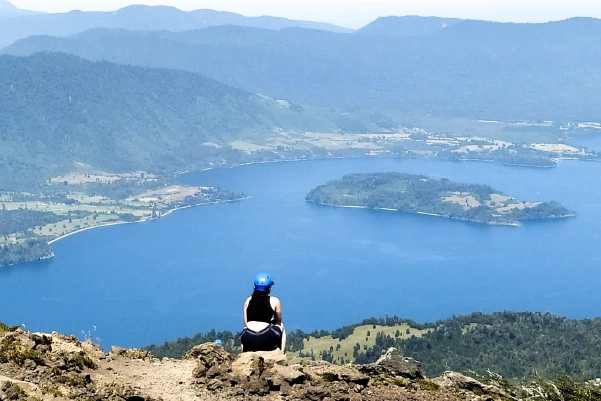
x=191, y=271
x=591, y=140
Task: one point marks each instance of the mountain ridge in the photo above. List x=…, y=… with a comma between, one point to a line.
x=410, y=25
x=8, y=10
x=138, y=17
x=472, y=69
x=59, y=109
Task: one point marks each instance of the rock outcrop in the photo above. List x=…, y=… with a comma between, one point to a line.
x=253, y=373
x=393, y=364
x=467, y=385
x=38, y=366
x=53, y=366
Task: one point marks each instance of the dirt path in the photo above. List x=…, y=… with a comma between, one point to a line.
x=169, y=379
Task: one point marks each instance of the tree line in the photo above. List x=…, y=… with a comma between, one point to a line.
x=28, y=251
x=516, y=345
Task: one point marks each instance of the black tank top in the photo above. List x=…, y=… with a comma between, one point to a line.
x=259, y=310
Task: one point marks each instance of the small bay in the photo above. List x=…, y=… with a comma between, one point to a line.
x=137, y=284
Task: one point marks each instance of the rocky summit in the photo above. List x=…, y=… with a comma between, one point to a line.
x=39, y=366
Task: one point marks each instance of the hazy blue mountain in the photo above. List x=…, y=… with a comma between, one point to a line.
x=8, y=10
x=57, y=109
x=471, y=69
x=398, y=27
x=139, y=17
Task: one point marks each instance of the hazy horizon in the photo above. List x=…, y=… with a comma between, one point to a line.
x=356, y=13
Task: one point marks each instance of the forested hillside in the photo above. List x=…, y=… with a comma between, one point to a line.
x=514, y=345
x=472, y=69
x=57, y=110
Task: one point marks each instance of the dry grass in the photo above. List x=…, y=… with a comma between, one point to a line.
x=500, y=203
x=520, y=206
x=99, y=176
x=467, y=201
x=166, y=195
x=359, y=336
x=556, y=148
x=102, y=210
x=66, y=227
x=247, y=146
x=497, y=198
x=329, y=141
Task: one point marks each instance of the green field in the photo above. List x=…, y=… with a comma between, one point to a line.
x=103, y=212
x=94, y=211
x=514, y=132
x=365, y=336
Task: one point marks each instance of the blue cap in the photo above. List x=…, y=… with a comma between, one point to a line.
x=263, y=282
x=218, y=341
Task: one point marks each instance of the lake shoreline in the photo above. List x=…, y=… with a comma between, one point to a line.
x=167, y=213
x=518, y=224
x=151, y=277
x=232, y=166
x=419, y=213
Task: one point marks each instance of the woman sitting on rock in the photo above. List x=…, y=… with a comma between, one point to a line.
x=263, y=328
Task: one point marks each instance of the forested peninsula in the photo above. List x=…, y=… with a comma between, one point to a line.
x=423, y=195
x=31, y=222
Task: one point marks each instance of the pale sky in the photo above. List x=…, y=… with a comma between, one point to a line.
x=354, y=13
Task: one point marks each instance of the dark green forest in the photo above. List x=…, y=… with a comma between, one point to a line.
x=32, y=249
x=57, y=110
x=516, y=345
x=421, y=194
x=473, y=69
x=179, y=347
x=21, y=220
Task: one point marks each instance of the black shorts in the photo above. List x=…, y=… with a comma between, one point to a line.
x=264, y=340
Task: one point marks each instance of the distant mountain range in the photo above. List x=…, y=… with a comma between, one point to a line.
x=137, y=17
x=472, y=69
x=57, y=110
x=398, y=27
x=8, y=10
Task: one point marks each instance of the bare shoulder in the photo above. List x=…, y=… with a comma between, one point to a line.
x=274, y=301
x=247, y=301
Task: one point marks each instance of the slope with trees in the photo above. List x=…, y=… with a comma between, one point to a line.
x=516, y=345
x=472, y=69
x=29, y=250
x=58, y=111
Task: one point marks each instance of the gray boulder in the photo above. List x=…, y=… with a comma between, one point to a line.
x=393, y=364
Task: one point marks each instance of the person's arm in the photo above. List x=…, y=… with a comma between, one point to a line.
x=245, y=308
x=277, y=310
x=283, y=338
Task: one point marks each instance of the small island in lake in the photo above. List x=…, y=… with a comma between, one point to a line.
x=423, y=195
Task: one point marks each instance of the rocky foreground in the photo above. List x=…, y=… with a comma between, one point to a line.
x=37, y=366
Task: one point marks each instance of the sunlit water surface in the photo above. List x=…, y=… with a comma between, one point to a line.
x=191, y=271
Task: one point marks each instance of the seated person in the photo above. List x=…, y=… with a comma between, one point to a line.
x=263, y=328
